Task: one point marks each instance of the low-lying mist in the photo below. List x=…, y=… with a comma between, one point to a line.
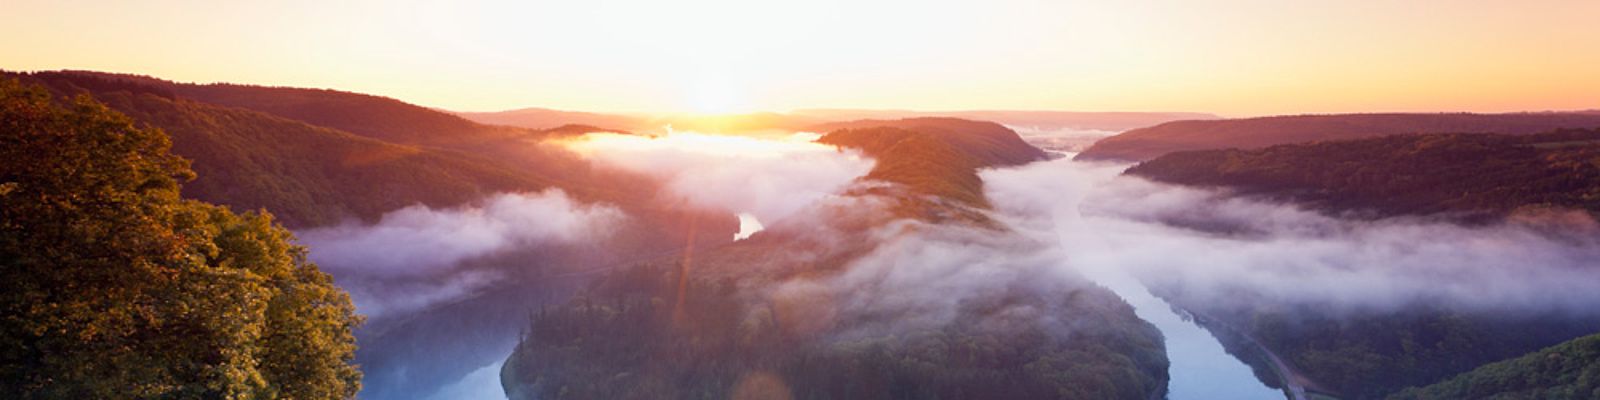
x=768, y=177
x=414, y=256
x=1224, y=249
x=1060, y=139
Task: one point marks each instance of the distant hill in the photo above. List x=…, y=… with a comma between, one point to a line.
x=733, y=123
x=1471, y=176
x=540, y=118
x=992, y=144
x=1569, y=370
x=1105, y=121
x=1147, y=143
x=376, y=117
x=544, y=118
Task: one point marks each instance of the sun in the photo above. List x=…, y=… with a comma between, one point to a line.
x=715, y=94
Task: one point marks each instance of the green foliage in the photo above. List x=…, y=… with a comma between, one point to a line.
x=1568, y=371
x=1470, y=176
x=1369, y=354
x=120, y=289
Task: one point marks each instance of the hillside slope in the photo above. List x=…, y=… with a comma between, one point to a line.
x=1148, y=143
x=1568, y=371
x=306, y=175
x=366, y=115
x=992, y=144
x=312, y=175
x=1471, y=176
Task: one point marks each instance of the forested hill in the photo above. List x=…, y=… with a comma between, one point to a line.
x=1249, y=133
x=1569, y=370
x=306, y=175
x=936, y=160
x=992, y=144
x=1471, y=176
x=376, y=117
x=310, y=174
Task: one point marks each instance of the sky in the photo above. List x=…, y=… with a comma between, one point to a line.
x=1230, y=57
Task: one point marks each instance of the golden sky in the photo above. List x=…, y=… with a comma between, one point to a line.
x=1236, y=57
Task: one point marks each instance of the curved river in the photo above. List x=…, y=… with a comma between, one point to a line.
x=1201, y=369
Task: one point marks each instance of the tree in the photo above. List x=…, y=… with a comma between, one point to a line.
x=119, y=288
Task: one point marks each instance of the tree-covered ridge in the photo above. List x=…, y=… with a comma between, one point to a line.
x=1568, y=371
x=312, y=175
x=933, y=163
x=366, y=115
x=118, y=288
x=1370, y=354
x=1252, y=133
x=990, y=144
x=1470, y=176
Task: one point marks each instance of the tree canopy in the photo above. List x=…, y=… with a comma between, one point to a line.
x=119, y=288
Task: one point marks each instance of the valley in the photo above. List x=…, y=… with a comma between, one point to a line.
x=919, y=257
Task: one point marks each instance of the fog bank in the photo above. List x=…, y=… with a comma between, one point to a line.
x=413, y=257
x=767, y=177
x=1225, y=248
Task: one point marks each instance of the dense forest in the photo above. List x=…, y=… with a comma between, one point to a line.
x=1568, y=371
x=1465, y=176
x=715, y=325
x=1251, y=133
x=1370, y=354
x=119, y=288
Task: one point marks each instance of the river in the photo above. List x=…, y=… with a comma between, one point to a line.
x=1201, y=369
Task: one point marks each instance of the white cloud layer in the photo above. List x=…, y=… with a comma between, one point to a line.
x=413, y=257
x=422, y=240
x=1110, y=222
x=769, y=178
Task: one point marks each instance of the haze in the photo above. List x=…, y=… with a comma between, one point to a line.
x=1235, y=58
